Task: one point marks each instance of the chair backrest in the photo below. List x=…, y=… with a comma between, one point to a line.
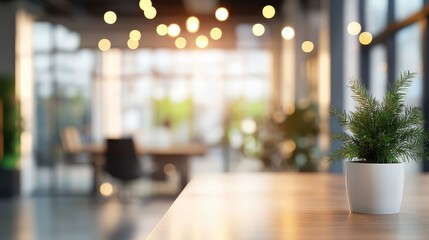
x=70, y=139
x=121, y=159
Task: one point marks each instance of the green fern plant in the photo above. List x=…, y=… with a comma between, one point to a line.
x=383, y=131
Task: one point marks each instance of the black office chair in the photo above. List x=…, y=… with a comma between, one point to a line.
x=122, y=163
x=121, y=160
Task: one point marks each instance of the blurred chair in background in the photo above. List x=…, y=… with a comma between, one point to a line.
x=122, y=163
x=72, y=144
x=75, y=161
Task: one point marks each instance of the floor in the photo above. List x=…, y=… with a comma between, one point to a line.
x=63, y=210
x=80, y=218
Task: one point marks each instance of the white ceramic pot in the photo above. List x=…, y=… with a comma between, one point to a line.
x=374, y=188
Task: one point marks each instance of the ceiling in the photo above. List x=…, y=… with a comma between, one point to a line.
x=85, y=16
x=169, y=8
x=165, y=8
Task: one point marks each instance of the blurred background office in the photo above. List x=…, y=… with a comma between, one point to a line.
x=242, y=86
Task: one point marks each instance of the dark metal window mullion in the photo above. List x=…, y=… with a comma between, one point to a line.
x=364, y=60
x=391, y=45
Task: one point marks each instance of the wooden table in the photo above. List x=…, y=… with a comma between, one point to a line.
x=175, y=149
x=177, y=154
x=287, y=206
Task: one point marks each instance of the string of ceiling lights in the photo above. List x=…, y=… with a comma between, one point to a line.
x=202, y=41
x=354, y=28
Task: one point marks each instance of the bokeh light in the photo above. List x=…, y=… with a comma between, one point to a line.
x=169, y=169
x=110, y=17
x=150, y=13
x=258, y=29
x=365, y=38
x=173, y=30
x=354, y=28
x=180, y=43
x=202, y=41
x=288, y=146
x=268, y=11
x=162, y=30
x=135, y=35
x=104, y=44
x=106, y=189
x=221, y=14
x=132, y=44
x=288, y=33
x=248, y=126
x=216, y=33
x=192, y=24
x=307, y=46
x=145, y=4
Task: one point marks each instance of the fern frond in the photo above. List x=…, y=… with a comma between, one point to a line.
x=384, y=131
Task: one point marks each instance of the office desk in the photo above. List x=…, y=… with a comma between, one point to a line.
x=287, y=206
x=177, y=154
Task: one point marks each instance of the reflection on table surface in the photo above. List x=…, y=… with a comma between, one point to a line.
x=287, y=206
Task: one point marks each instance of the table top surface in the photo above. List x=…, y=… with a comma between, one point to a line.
x=287, y=206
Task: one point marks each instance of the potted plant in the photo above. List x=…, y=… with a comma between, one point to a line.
x=380, y=135
x=10, y=131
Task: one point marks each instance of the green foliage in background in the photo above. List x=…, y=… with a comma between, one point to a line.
x=384, y=131
x=171, y=112
x=300, y=130
x=11, y=124
x=289, y=141
x=238, y=110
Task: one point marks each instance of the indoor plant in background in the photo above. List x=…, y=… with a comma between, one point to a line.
x=10, y=132
x=380, y=135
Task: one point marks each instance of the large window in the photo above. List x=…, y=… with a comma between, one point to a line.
x=409, y=57
x=158, y=96
x=397, y=50
x=62, y=85
x=178, y=96
x=378, y=71
x=405, y=8
x=376, y=15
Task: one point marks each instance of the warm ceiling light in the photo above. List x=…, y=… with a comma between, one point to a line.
x=162, y=29
x=192, y=24
x=258, y=29
x=110, y=17
x=365, y=38
x=150, y=12
x=202, y=41
x=180, y=43
x=268, y=11
x=144, y=4
x=135, y=35
x=288, y=33
x=354, y=28
x=221, y=14
x=173, y=30
x=132, y=44
x=215, y=33
x=104, y=44
x=307, y=46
